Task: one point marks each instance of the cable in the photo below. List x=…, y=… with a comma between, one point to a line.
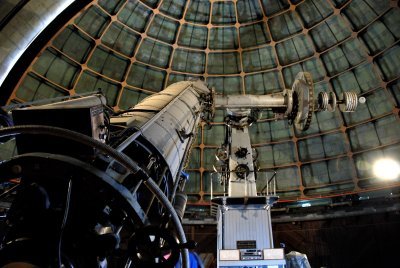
x=118, y=156
x=64, y=221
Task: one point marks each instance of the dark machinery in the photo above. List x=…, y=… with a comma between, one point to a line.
x=95, y=188
x=98, y=188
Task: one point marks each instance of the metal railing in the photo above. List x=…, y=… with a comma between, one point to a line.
x=270, y=186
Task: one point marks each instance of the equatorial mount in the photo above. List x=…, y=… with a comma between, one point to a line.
x=296, y=104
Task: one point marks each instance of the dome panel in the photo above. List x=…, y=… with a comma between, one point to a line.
x=194, y=184
x=389, y=63
x=339, y=3
x=285, y=178
x=57, y=68
x=263, y=83
x=272, y=7
x=327, y=190
x=260, y=133
x=328, y=121
x=146, y=77
x=315, y=174
x=220, y=116
x=327, y=34
x=135, y=15
x=345, y=82
x=74, y=43
x=294, y=49
x=193, y=36
x=377, y=102
x=121, y=39
x=377, y=37
x=284, y=25
x=214, y=136
x=354, y=51
x=340, y=170
x=209, y=160
x=265, y=156
x=254, y=35
x=163, y=29
x=154, y=53
x=392, y=151
x=189, y=61
x=108, y=63
x=387, y=130
x=198, y=11
x=283, y=153
x=335, y=61
x=223, y=38
x=392, y=21
x=289, y=73
x=151, y=3
x=34, y=88
x=367, y=77
x=248, y=11
x=111, y=6
x=314, y=11
x=224, y=63
x=315, y=67
x=259, y=59
x=226, y=85
x=395, y=90
x=311, y=149
x=173, y=8
x=335, y=144
x=206, y=185
x=195, y=158
x=91, y=82
x=223, y=13
x=361, y=12
x=363, y=137
x=93, y=21
x=280, y=130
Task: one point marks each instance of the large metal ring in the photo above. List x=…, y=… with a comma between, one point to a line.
x=303, y=87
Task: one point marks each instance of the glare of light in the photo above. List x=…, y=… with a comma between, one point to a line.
x=386, y=169
x=305, y=205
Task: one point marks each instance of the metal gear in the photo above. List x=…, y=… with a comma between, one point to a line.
x=303, y=88
x=323, y=101
x=242, y=171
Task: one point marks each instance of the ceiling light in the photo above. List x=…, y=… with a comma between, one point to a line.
x=386, y=169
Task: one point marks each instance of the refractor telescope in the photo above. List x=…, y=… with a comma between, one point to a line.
x=99, y=188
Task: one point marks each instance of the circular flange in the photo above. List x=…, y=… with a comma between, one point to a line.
x=303, y=87
x=349, y=101
x=332, y=102
x=323, y=101
x=242, y=171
